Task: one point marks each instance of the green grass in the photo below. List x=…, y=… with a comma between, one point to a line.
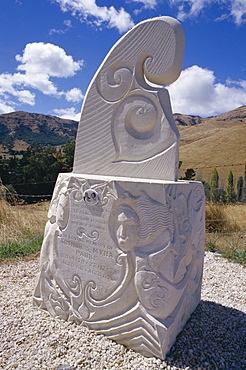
x=24, y=248
x=233, y=254
x=21, y=229
x=225, y=231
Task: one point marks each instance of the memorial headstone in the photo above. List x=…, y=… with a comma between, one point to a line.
x=124, y=242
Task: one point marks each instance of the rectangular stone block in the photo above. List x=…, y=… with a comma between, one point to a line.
x=124, y=257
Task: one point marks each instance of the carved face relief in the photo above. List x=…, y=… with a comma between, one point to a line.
x=127, y=229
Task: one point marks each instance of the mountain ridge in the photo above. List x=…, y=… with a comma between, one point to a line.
x=191, y=120
x=18, y=130
x=205, y=142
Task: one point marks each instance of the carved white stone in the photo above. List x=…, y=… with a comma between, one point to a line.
x=128, y=120
x=129, y=266
x=124, y=255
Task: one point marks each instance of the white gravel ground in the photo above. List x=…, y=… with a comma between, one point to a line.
x=214, y=337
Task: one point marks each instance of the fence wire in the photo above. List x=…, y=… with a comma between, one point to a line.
x=220, y=237
x=22, y=246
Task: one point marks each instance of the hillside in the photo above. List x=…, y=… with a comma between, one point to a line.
x=18, y=130
x=218, y=141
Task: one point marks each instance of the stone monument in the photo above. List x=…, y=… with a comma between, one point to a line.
x=124, y=242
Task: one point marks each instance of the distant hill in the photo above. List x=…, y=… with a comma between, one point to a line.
x=18, y=130
x=238, y=114
x=217, y=141
x=185, y=120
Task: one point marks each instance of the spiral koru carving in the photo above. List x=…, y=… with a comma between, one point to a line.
x=139, y=128
x=126, y=112
x=114, y=82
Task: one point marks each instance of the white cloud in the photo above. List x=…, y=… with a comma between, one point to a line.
x=6, y=108
x=197, y=93
x=68, y=25
x=148, y=4
x=236, y=9
x=241, y=83
x=88, y=10
x=9, y=85
x=68, y=113
x=25, y=96
x=74, y=95
x=38, y=64
x=48, y=59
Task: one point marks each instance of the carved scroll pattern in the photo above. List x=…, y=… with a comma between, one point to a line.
x=115, y=82
x=127, y=109
x=61, y=297
x=161, y=268
x=139, y=127
x=163, y=279
x=94, y=235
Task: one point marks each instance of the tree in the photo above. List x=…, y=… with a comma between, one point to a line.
x=190, y=174
x=230, y=194
x=41, y=165
x=214, y=186
x=240, y=189
x=4, y=171
x=206, y=186
x=36, y=172
x=68, y=154
x=244, y=192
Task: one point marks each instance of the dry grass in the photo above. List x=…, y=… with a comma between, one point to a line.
x=20, y=222
x=225, y=218
x=225, y=227
x=226, y=230
x=213, y=144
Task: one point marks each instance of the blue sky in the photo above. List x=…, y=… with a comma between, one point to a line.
x=50, y=50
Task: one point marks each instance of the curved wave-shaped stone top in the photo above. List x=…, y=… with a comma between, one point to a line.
x=126, y=126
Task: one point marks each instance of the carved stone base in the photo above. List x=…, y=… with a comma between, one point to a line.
x=124, y=257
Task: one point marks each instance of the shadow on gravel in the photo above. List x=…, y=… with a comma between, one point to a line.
x=213, y=338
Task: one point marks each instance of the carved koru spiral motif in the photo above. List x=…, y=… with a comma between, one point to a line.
x=139, y=126
x=127, y=109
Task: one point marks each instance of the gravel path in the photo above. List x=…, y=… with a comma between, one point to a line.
x=214, y=337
